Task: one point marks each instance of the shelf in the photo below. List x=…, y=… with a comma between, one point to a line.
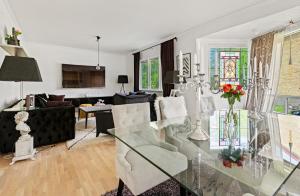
x=14, y=50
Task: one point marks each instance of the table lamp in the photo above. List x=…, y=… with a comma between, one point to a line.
x=122, y=79
x=21, y=69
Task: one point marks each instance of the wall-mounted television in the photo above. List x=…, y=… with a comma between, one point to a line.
x=82, y=76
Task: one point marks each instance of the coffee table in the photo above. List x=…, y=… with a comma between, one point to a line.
x=93, y=109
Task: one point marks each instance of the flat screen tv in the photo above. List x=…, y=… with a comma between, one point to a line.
x=82, y=76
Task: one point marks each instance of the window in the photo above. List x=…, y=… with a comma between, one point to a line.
x=233, y=65
x=150, y=74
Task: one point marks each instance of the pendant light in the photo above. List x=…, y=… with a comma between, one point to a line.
x=290, y=25
x=98, y=65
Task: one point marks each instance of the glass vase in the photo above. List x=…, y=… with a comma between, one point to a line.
x=231, y=126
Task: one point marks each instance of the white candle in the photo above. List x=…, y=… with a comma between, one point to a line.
x=195, y=69
x=201, y=61
x=195, y=64
x=260, y=70
x=255, y=65
x=198, y=51
x=195, y=59
x=216, y=64
x=180, y=63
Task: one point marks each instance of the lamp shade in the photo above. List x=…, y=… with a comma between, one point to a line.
x=171, y=77
x=15, y=68
x=123, y=79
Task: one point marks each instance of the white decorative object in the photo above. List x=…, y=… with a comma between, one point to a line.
x=180, y=63
x=20, y=119
x=199, y=133
x=258, y=84
x=199, y=83
x=260, y=69
x=24, y=146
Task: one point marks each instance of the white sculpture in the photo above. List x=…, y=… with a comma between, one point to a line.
x=20, y=119
x=24, y=145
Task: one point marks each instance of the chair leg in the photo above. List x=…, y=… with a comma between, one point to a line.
x=120, y=187
x=182, y=191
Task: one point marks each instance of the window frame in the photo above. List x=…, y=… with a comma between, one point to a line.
x=148, y=60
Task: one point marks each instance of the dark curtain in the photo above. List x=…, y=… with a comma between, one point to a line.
x=136, y=71
x=167, y=64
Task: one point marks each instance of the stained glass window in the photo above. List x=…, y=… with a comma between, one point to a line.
x=232, y=65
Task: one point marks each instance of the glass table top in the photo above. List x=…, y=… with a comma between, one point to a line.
x=268, y=159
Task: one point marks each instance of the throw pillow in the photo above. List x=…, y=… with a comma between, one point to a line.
x=58, y=103
x=56, y=97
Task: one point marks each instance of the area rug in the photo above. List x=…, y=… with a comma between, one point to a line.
x=86, y=136
x=167, y=188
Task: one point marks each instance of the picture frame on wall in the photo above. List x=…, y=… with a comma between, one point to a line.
x=186, y=64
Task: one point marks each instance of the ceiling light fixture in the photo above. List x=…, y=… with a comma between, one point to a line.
x=98, y=65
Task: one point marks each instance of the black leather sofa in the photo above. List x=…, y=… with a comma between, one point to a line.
x=48, y=126
x=104, y=120
x=91, y=100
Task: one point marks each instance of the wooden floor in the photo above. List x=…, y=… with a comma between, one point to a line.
x=87, y=170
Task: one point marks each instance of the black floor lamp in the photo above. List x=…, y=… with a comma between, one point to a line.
x=122, y=79
x=21, y=69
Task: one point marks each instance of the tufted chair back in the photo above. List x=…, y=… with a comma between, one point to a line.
x=131, y=114
x=128, y=115
x=170, y=107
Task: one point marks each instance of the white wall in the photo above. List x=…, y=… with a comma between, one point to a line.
x=50, y=58
x=9, y=91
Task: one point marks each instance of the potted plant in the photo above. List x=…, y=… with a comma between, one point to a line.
x=13, y=38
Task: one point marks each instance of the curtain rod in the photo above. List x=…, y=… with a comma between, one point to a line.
x=280, y=28
x=175, y=38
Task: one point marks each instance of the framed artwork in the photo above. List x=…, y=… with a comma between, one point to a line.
x=186, y=64
x=30, y=101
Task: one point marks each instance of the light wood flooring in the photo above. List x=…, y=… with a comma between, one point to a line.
x=85, y=171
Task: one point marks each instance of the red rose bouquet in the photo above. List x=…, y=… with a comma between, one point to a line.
x=232, y=93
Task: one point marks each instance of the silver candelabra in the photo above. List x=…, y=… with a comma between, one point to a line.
x=258, y=86
x=199, y=83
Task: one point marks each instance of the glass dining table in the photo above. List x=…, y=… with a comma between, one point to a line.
x=270, y=146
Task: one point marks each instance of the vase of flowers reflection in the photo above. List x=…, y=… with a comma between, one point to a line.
x=232, y=93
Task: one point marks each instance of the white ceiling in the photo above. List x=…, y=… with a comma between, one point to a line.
x=125, y=25
x=260, y=26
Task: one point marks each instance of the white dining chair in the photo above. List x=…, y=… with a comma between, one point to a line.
x=134, y=171
x=178, y=133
